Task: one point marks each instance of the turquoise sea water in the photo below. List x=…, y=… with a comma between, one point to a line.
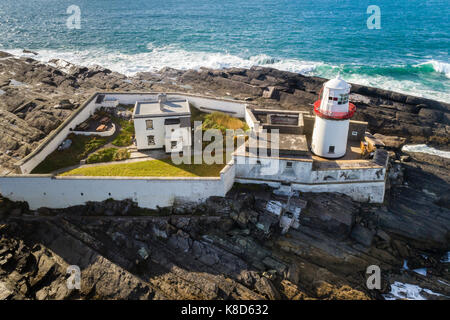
x=315, y=37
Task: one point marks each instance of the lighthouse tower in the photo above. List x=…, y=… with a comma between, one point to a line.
x=333, y=113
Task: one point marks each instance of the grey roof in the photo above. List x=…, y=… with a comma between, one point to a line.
x=148, y=109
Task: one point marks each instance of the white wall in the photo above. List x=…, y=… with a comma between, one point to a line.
x=141, y=133
x=362, y=184
x=251, y=121
x=209, y=103
x=302, y=171
x=160, y=132
x=227, y=175
x=235, y=108
x=372, y=192
x=62, y=192
x=108, y=133
x=328, y=133
x=55, y=139
x=52, y=141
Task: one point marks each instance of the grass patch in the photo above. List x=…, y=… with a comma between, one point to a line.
x=151, y=168
x=80, y=148
x=197, y=115
x=222, y=121
x=108, y=155
x=125, y=136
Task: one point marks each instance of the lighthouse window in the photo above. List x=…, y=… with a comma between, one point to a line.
x=343, y=98
x=331, y=149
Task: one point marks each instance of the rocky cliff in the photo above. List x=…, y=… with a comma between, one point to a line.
x=218, y=250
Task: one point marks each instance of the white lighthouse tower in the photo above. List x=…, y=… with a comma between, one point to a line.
x=333, y=113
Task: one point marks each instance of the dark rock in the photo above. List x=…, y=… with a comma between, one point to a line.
x=405, y=158
x=362, y=235
x=28, y=51
x=5, y=54
x=265, y=287
x=334, y=214
x=429, y=115
x=271, y=93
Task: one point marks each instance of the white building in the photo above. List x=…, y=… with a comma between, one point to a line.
x=163, y=123
x=286, y=161
x=333, y=113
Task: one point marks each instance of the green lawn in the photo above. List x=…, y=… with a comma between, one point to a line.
x=80, y=148
x=217, y=120
x=150, y=168
x=222, y=121
x=108, y=155
x=125, y=136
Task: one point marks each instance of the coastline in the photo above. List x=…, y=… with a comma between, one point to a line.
x=381, y=76
x=44, y=95
x=214, y=250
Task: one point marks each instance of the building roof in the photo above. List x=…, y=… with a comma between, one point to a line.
x=337, y=83
x=288, y=144
x=149, y=109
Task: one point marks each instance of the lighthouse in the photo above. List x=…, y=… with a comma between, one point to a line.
x=333, y=113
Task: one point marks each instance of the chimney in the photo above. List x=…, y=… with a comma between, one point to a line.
x=162, y=98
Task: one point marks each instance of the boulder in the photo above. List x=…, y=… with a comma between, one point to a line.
x=271, y=93
x=393, y=142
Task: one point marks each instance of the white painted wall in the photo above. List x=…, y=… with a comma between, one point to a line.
x=62, y=192
x=227, y=175
x=158, y=131
x=328, y=133
x=111, y=100
x=251, y=121
x=362, y=184
x=200, y=102
x=108, y=133
x=53, y=141
x=235, y=108
x=372, y=192
x=302, y=171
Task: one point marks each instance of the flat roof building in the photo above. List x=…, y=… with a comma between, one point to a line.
x=162, y=123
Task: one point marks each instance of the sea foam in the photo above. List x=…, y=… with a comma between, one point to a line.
x=172, y=56
x=423, y=148
x=438, y=66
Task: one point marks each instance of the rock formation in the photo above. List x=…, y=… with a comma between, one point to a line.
x=231, y=247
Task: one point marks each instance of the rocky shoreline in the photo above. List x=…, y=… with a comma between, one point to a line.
x=215, y=250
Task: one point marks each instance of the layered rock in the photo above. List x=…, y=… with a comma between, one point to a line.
x=225, y=248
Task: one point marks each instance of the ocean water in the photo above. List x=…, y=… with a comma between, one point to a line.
x=409, y=54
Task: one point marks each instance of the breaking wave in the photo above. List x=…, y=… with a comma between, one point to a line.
x=423, y=148
x=437, y=66
x=428, y=79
